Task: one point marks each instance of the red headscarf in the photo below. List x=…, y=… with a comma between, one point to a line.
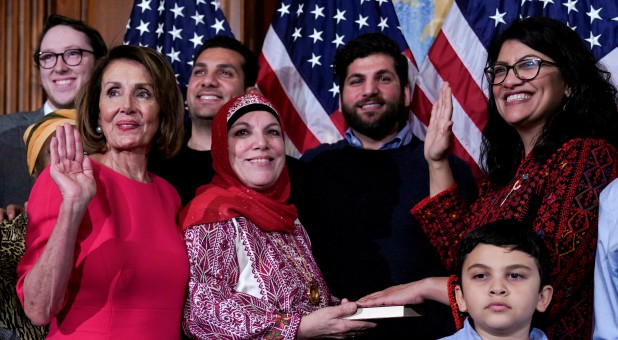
x=226, y=197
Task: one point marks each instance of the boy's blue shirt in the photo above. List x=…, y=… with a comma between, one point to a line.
x=468, y=333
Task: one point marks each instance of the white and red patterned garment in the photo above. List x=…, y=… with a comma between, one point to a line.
x=243, y=285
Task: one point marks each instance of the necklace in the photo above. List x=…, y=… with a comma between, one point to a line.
x=515, y=187
x=312, y=291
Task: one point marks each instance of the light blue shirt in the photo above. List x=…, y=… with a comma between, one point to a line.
x=468, y=333
x=606, y=266
x=403, y=137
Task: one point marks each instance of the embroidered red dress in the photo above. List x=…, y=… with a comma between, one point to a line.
x=564, y=192
x=243, y=283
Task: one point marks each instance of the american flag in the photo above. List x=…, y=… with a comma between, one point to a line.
x=296, y=62
x=459, y=52
x=176, y=28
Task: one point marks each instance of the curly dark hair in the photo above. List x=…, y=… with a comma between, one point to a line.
x=589, y=112
x=366, y=45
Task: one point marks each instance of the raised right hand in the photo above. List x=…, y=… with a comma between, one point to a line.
x=439, y=135
x=70, y=168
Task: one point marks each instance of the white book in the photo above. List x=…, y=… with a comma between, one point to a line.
x=385, y=312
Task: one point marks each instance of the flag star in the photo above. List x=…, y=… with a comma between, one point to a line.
x=594, y=13
x=318, y=11
x=300, y=11
x=199, y=18
x=128, y=25
x=161, y=7
x=141, y=45
x=334, y=90
x=284, y=9
x=143, y=27
x=315, y=60
x=173, y=55
x=177, y=11
x=190, y=63
x=615, y=19
x=175, y=32
x=144, y=5
x=593, y=40
x=218, y=25
x=381, y=2
x=196, y=40
x=570, y=5
x=498, y=18
x=338, y=40
x=316, y=36
x=383, y=23
x=523, y=1
x=574, y=28
x=160, y=30
x=545, y=2
x=363, y=1
x=362, y=21
x=340, y=15
x=197, y=2
x=215, y=3
x=160, y=49
x=296, y=33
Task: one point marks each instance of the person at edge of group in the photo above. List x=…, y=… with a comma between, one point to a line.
x=354, y=196
x=65, y=56
x=548, y=150
x=222, y=68
x=504, y=272
x=252, y=274
x=13, y=321
x=104, y=256
x=606, y=267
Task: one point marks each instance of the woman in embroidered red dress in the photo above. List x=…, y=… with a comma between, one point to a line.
x=252, y=274
x=548, y=151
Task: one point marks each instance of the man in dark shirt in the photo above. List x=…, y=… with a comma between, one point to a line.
x=222, y=69
x=354, y=196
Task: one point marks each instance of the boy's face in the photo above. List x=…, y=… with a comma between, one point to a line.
x=501, y=291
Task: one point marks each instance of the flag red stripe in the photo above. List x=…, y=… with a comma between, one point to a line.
x=465, y=89
x=296, y=130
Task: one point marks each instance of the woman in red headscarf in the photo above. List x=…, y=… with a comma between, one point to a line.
x=252, y=274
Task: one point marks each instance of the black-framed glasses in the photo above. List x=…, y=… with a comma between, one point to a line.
x=71, y=57
x=526, y=69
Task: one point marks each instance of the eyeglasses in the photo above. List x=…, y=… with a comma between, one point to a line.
x=47, y=60
x=525, y=70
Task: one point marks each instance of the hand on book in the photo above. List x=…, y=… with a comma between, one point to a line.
x=413, y=293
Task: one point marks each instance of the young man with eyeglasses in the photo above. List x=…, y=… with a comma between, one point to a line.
x=65, y=56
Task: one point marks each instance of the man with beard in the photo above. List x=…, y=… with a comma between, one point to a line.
x=354, y=196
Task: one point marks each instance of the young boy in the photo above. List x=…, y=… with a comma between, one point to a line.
x=504, y=270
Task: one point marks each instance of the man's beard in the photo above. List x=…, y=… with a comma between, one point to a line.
x=394, y=113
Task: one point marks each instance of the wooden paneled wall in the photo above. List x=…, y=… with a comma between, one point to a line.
x=21, y=21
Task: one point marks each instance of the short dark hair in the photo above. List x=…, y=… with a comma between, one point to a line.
x=97, y=43
x=366, y=45
x=250, y=67
x=169, y=138
x=589, y=111
x=510, y=234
